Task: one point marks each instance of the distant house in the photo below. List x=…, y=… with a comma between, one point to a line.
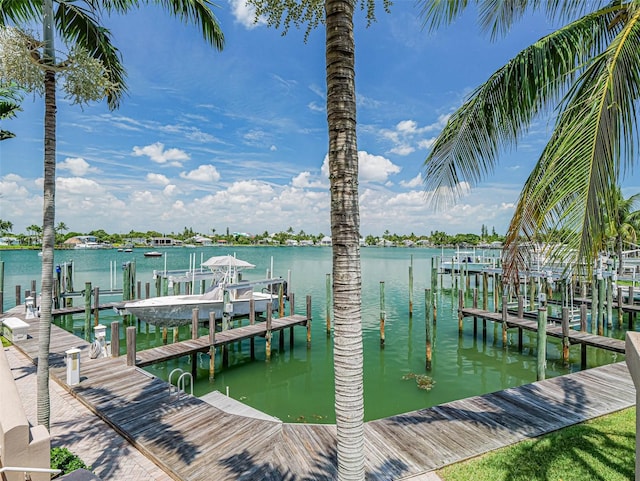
x=202, y=240
x=9, y=241
x=81, y=239
x=306, y=242
x=325, y=241
x=164, y=242
x=291, y=242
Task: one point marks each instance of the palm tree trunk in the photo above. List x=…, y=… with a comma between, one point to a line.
x=48, y=221
x=345, y=231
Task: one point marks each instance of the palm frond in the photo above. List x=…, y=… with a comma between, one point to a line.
x=200, y=13
x=19, y=11
x=501, y=109
x=80, y=26
x=574, y=185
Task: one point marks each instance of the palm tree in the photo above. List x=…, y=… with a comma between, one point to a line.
x=77, y=25
x=5, y=226
x=589, y=72
x=623, y=227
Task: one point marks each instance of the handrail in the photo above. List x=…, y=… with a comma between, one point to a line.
x=178, y=370
x=181, y=382
x=15, y=469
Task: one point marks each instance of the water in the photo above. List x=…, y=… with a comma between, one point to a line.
x=297, y=385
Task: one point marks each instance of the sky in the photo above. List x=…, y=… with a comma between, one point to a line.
x=238, y=139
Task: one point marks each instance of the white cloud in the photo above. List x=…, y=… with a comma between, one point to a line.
x=412, y=183
x=157, y=153
x=371, y=168
x=245, y=14
x=76, y=166
x=315, y=106
x=204, y=173
x=157, y=179
x=303, y=181
x=407, y=135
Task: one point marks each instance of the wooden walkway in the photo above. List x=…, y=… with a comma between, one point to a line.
x=575, y=337
x=193, y=440
x=184, y=348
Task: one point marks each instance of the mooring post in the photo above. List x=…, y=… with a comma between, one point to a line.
x=610, y=301
x=602, y=292
x=131, y=346
x=126, y=288
x=267, y=336
x=18, y=295
x=280, y=300
x=485, y=291
x=328, y=304
x=195, y=313
x=411, y=288
x=620, y=310
x=542, y=343
x=382, y=314
x=460, y=307
x=520, y=316
x=212, y=346
x=565, y=335
x=115, y=339
x=292, y=307
x=252, y=321
x=308, y=322
x=583, y=317
x=475, y=306
x=176, y=334
x=631, y=314
x=147, y=290
x=96, y=306
x=505, y=314
x=87, y=311
x=595, y=311
x=427, y=323
x=164, y=335
x=139, y=290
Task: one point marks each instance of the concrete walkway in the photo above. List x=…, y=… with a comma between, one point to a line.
x=74, y=427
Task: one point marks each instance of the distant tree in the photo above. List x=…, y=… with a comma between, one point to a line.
x=5, y=226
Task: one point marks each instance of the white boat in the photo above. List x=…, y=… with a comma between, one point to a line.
x=467, y=261
x=91, y=245
x=226, y=295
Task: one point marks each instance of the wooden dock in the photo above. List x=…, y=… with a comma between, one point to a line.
x=202, y=344
x=193, y=440
x=575, y=337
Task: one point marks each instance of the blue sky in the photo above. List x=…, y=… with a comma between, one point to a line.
x=238, y=139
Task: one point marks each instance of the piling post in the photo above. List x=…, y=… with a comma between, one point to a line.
x=164, y=335
x=565, y=335
x=609, y=302
x=328, y=305
x=147, y=290
x=267, y=336
x=485, y=291
x=602, y=291
x=308, y=322
x=532, y=294
x=475, y=306
x=126, y=288
x=139, y=290
x=212, y=345
x=382, y=314
x=195, y=313
x=428, y=329
x=631, y=314
x=158, y=285
x=176, y=334
x=505, y=315
x=96, y=306
x=520, y=316
x=411, y=288
x=595, y=310
x=620, y=304
x=131, y=346
x=115, y=339
x=18, y=295
x=87, y=311
x=542, y=343
x=460, y=307
x=292, y=306
x=252, y=321
x=583, y=317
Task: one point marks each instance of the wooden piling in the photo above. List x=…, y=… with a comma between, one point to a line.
x=195, y=313
x=460, y=306
x=212, y=347
x=164, y=335
x=602, y=291
x=504, y=321
x=131, y=346
x=87, y=311
x=583, y=317
x=542, y=343
x=565, y=335
x=328, y=303
x=609, y=302
x=176, y=334
x=115, y=339
x=411, y=288
x=267, y=336
x=485, y=291
x=620, y=304
x=18, y=295
x=308, y=322
x=382, y=314
x=252, y=321
x=594, y=306
x=475, y=306
x=428, y=328
x=96, y=306
x=520, y=316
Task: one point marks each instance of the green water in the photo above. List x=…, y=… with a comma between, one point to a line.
x=297, y=385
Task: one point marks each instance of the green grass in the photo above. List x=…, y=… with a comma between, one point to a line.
x=5, y=342
x=600, y=449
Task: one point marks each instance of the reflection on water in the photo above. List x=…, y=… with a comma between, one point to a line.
x=297, y=385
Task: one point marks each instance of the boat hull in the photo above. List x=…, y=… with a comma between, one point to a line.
x=174, y=311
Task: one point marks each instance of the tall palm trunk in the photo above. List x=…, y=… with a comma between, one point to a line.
x=345, y=231
x=48, y=219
